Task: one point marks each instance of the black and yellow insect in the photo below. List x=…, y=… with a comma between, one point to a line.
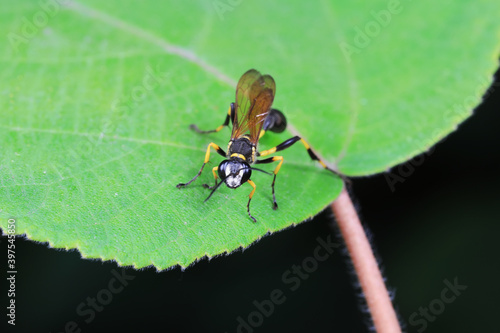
x=251, y=116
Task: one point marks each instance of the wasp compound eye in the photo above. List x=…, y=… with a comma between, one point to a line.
x=222, y=170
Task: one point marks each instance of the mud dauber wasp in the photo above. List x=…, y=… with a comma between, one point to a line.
x=251, y=116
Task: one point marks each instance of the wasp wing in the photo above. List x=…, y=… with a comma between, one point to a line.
x=254, y=97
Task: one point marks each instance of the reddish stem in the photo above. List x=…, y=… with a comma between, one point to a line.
x=376, y=295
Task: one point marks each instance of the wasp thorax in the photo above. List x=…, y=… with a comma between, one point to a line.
x=234, y=172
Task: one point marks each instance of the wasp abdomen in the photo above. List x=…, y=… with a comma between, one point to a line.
x=275, y=121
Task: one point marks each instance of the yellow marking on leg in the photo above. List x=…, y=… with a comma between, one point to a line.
x=214, y=169
x=278, y=158
x=262, y=132
x=305, y=143
x=218, y=129
x=254, y=187
x=268, y=152
x=207, y=155
x=309, y=149
x=250, y=199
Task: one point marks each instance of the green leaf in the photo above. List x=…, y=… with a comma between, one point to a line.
x=98, y=97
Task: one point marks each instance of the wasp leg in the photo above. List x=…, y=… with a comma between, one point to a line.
x=214, y=169
x=250, y=198
x=312, y=155
x=207, y=158
x=229, y=116
x=276, y=170
x=262, y=132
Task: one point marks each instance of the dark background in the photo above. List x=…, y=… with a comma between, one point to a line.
x=441, y=223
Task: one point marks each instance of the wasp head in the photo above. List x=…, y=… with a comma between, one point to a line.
x=234, y=172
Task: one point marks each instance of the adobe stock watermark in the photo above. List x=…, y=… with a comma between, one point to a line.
x=11, y=270
x=454, y=114
x=428, y=314
x=223, y=6
x=31, y=25
x=89, y=308
x=292, y=280
x=364, y=35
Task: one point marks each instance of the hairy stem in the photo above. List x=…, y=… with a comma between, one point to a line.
x=377, y=297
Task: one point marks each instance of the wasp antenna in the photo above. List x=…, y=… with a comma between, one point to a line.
x=215, y=189
x=270, y=174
